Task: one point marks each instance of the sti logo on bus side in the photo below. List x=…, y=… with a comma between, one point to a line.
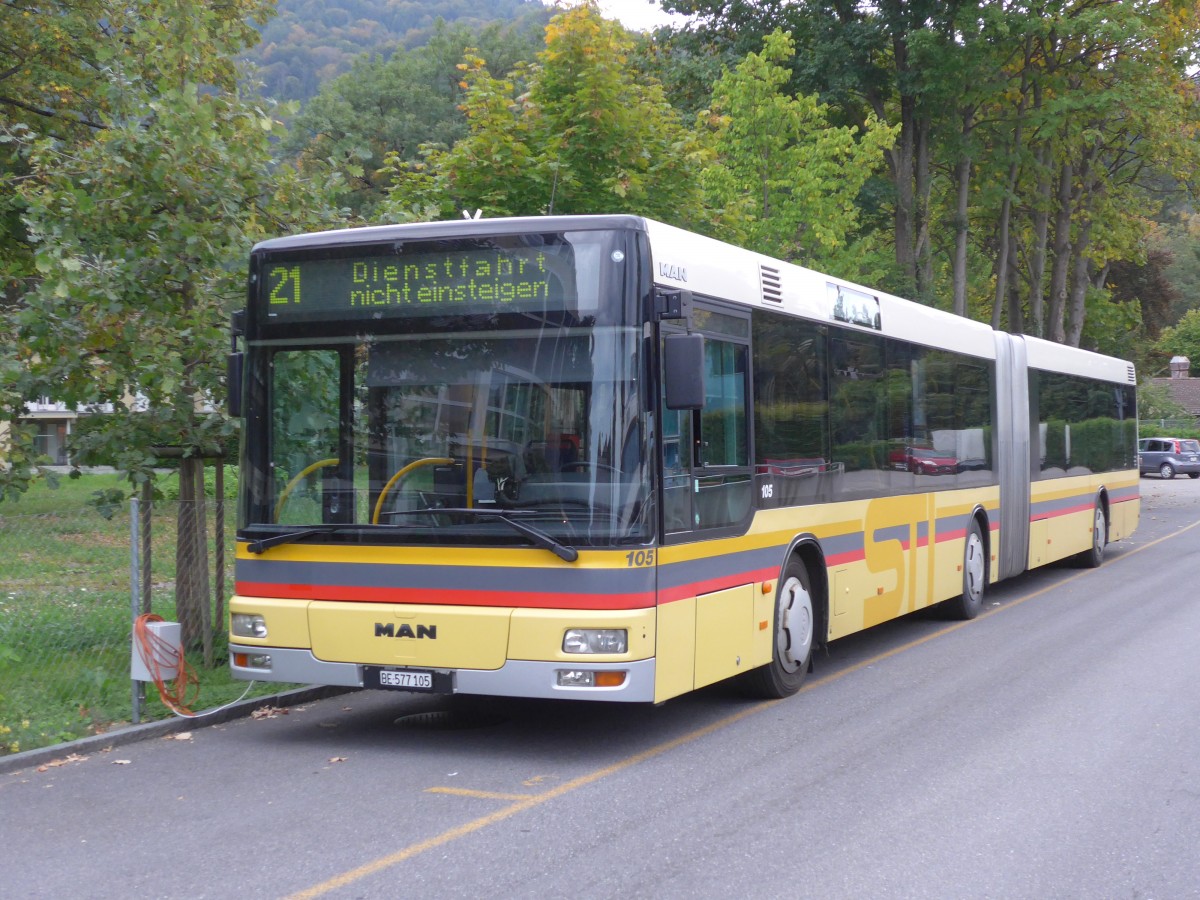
x=387, y=629
x=672, y=271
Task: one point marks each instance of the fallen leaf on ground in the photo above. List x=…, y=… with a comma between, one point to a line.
x=55, y=763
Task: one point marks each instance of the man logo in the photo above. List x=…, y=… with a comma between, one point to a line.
x=672, y=271
x=387, y=629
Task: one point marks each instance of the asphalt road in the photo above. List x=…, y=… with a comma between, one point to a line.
x=1048, y=749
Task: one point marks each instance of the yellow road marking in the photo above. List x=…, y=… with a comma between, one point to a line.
x=483, y=795
x=531, y=801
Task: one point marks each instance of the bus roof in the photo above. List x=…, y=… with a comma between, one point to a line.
x=705, y=265
x=379, y=234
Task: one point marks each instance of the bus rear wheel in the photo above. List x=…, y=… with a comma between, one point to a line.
x=795, y=634
x=1094, y=555
x=974, y=571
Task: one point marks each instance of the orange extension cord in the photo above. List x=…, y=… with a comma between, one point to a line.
x=158, y=654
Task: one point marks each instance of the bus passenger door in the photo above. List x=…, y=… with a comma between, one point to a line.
x=707, y=476
x=707, y=494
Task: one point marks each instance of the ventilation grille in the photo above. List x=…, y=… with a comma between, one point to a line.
x=768, y=279
x=1132, y=375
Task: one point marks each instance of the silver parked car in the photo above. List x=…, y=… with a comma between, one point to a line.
x=1166, y=456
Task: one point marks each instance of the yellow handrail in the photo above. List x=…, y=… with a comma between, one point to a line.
x=415, y=464
x=304, y=474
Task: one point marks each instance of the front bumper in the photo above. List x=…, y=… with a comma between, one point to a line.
x=516, y=678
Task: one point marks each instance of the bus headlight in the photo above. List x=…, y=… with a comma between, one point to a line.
x=595, y=640
x=249, y=625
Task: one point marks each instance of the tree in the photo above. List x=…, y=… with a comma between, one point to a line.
x=395, y=105
x=1154, y=402
x=138, y=226
x=568, y=134
x=783, y=180
x=1041, y=120
x=308, y=43
x=861, y=57
x=1181, y=339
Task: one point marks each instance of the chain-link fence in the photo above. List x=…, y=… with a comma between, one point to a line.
x=72, y=581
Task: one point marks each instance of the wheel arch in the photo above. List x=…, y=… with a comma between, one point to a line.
x=1104, y=502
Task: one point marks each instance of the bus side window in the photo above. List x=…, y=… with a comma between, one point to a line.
x=677, y=446
x=858, y=403
x=724, y=492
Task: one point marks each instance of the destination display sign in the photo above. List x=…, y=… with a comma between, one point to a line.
x=439, y=283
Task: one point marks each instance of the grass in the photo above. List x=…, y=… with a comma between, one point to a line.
x=66, y=614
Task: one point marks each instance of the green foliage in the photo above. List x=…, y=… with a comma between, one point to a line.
x=783, y=180
x=1112, y=327
x=1181, y=339
x=1032, y=130
x=1181, y=243
x=65, y=614
x=138, y=230
x=397, y=104
x=1155, y=402
x=311, y=42
x=568, y=135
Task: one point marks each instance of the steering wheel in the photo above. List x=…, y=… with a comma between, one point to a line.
x=395, y=479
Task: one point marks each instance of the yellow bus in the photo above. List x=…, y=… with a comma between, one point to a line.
x=601, y=458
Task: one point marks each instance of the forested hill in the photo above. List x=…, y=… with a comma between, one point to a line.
x=310, y=41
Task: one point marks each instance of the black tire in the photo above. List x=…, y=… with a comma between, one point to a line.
x=1193, y=474
x=975, y=571
x=795, y=636
x=1166, y=470
x=1094, y=555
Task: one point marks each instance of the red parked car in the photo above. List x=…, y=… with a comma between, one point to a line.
x=922, y=461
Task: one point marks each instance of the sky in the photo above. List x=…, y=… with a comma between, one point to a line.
x=636, y=15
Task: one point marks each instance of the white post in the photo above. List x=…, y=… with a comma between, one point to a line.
x=137, y=687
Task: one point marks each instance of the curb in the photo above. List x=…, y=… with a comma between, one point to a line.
x=135, y=733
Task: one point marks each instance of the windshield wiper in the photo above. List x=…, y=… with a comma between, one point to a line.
x=287, y=537
x=537, y=536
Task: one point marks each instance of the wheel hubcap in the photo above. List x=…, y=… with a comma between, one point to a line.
x=973, y=568
x=1098, y=533
x=795, y=633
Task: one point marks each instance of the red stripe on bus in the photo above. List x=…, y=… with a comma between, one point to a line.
x=1054, y=514
x=711, y=585
x=526, y=600
x=842, y=559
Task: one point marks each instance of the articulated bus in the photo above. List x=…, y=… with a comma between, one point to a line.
x=601, y=458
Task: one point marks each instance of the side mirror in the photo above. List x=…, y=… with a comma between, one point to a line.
x=683, y=371
x=234, y=364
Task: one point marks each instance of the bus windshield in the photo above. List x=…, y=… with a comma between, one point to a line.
x=438, y=437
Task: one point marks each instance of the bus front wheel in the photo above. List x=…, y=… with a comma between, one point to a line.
x=795, y=633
